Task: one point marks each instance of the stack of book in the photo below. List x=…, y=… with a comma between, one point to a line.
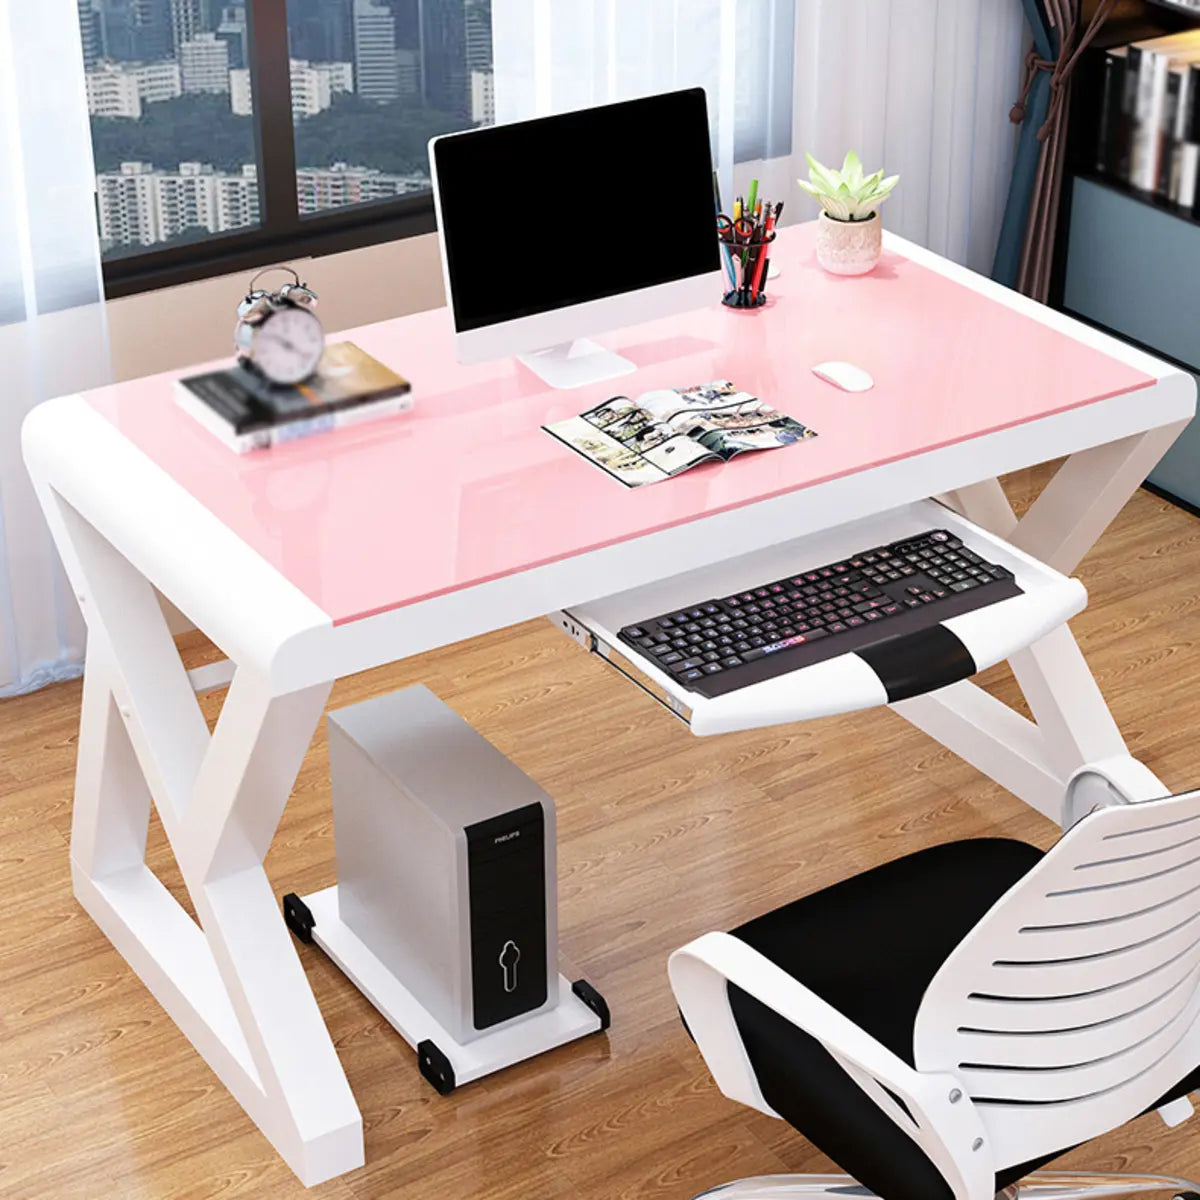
x=248, y=412
x=1149, y=117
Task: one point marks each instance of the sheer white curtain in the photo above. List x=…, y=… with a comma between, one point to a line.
x=922, y=88
x=551, y=56
x=53, y=338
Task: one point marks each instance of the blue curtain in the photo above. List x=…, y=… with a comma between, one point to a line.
x=1029, y=150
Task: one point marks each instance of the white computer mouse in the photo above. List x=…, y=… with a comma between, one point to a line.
x=844, y=375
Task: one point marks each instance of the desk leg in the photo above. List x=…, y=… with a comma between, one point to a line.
x=233, y=982
x=1072, y=723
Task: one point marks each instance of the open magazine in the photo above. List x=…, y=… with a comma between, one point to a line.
x=662, y=433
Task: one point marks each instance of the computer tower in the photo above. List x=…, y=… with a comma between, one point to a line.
x=446, y=861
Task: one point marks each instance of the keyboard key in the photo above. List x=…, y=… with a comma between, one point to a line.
x=673, y=657
x=689, y=663
x=691, y=676
x=964, y=585
x=712, y=668
x=732, y=661
x=635, y=631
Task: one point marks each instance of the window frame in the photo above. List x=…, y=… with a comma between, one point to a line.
x=282, y=233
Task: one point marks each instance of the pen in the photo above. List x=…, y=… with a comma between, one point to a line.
x=753, y=194
x=760, y=266
x=728, y=260
x=767, y=266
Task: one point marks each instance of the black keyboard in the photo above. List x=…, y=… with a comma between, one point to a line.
x=719, y=646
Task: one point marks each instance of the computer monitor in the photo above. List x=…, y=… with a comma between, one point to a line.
x=569, y=225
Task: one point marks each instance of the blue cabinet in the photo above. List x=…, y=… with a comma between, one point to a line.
x=1135, y=269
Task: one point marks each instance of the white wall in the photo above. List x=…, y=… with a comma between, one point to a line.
x=174, y=327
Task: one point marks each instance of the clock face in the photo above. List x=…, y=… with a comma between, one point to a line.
x=288, y=345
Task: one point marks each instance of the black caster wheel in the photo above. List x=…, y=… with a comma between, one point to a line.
x=436, y=1067
x=1187, y=1196
x=298, y=917
x=594, y=1001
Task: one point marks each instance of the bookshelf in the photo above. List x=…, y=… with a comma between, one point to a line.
x=1128, y=260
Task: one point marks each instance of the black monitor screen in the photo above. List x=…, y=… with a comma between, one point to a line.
x=544, y=214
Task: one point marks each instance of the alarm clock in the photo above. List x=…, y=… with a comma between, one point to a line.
x=277, y=333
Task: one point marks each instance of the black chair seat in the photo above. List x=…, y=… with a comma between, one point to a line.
x=869, y=946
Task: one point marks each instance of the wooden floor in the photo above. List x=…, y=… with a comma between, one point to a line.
x=662, y=836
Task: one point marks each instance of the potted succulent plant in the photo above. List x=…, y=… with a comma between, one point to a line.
x=849, y=233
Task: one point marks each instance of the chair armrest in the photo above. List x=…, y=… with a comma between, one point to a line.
x=948, y=1130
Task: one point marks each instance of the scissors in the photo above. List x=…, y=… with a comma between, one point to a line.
x=741, y=229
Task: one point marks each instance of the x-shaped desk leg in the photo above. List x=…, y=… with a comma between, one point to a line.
x=233, y=982
x=1072, y=723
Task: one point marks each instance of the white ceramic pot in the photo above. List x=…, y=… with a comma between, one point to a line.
x=849, y=247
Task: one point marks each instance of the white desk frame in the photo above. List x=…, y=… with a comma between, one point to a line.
x=234, y=983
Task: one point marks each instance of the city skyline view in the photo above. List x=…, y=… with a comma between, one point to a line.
x=171, y=105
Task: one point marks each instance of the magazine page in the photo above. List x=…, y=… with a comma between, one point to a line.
x=664, y=432
x=724, y=420
x=626, y=439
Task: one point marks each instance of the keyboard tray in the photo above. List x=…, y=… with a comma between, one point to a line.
x=846, y=682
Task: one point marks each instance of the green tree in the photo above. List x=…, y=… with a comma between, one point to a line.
x=392, y=137
x=198, y=128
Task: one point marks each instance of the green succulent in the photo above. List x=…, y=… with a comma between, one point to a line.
x=848, y=194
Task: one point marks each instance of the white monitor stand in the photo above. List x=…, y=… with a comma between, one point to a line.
x=576, y=364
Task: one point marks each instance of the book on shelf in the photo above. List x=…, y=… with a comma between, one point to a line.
x=1148, y=124
x=663, y=433
x=249, y=412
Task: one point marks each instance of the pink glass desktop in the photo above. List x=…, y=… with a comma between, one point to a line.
x=467, y=487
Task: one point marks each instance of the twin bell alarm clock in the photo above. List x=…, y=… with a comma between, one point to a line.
x=278, y=333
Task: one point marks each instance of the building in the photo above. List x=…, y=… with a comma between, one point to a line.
x=408, y=73
x=313, y=87
x=89, y=33
x=134, y=30
x=333, y=187
x=477, y=15
x=445, y=83
x=140, y=205
x=241, y=97
x=311, y=91
x=112, y=91
x=321, y=30
x=341, y=75
x=186, y=24
x=375, y=72
x=120, y=89
x=204, y=64
x=483, y=97
x=232, y=31
x=158, y=80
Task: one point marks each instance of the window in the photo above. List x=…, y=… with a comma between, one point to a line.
x=229, y=135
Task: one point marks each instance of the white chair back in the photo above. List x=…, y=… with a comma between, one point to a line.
x=1072, y=1006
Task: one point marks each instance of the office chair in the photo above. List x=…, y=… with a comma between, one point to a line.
x=946, y=1024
